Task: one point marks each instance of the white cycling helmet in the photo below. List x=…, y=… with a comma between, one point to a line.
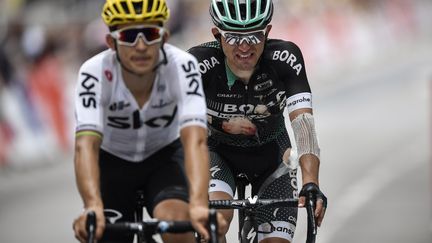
x=241, y=15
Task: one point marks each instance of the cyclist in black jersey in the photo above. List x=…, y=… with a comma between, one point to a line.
x=249, y=80
x=141, y=125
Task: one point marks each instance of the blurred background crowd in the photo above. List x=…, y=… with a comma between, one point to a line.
x=43, y=43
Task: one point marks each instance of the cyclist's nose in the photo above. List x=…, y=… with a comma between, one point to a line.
x=141, y=45
x=244, y=46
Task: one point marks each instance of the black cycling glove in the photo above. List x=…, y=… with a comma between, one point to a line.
x=311, y=191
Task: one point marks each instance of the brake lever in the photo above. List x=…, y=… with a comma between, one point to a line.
x=213, y=225
x=312, y=227
x=91, y=226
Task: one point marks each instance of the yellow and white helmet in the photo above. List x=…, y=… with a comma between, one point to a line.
x=117, y=12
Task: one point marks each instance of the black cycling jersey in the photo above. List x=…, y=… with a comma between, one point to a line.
x=279, y=81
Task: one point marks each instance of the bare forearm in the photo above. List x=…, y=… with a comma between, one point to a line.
x=310, y=168
x=197, y=166
x=87, y=173
x=197, y=169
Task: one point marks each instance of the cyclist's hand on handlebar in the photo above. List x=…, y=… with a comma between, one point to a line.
x=79, y=224
x=312, y=190
x=199, y=218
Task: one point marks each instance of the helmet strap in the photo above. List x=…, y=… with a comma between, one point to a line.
x=231, y=77
x=164, y=60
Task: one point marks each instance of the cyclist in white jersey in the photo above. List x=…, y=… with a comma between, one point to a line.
x=140, y=113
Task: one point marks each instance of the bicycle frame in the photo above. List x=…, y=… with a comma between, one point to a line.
x=247, y=208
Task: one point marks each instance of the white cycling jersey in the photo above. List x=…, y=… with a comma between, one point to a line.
x=104, y=104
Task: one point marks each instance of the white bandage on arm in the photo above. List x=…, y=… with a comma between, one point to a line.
x=304, y=133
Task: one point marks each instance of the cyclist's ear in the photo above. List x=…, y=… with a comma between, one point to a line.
x=216, y=34
x=166, y=36
x=110, y=41
x=268, y=28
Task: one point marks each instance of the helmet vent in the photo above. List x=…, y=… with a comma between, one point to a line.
x=116, y=8
x=150, y=6
x=247, y=26
x=262, y=7
x=222, y=9
x=157, y=4
x=124, y=6
x=243, y=10
x=138, y=7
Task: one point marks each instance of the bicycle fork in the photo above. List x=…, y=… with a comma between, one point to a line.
x=248, y=232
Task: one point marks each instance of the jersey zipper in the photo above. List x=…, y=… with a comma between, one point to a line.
x=246, y=108
x=245, y=100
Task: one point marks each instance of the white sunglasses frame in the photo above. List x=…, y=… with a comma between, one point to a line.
x=245, y=38
x=116, y=35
